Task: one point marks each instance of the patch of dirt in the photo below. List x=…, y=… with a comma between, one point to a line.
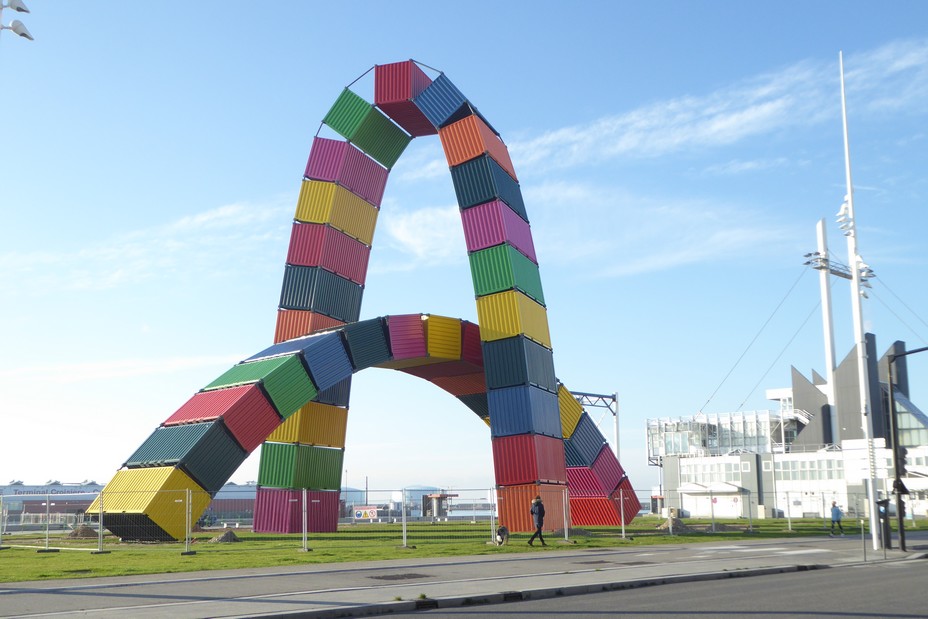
x=83, y=531
x=225, y=538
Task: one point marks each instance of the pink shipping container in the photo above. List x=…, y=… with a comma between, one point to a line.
x=495, y=223
x=245, y=411
x=281, y=511
x=320, y=245
x=395, y=85
x=528, y=458
x=608, y=470
x=340, y=162
x=625, y=493
x=583, y=482
x=468, y=384
x=407, y=336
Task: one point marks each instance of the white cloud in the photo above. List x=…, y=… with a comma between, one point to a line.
x=431, y=235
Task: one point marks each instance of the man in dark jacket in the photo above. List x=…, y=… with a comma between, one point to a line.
x=538, y=516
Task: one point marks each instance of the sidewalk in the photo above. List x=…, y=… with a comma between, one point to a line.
x=374, y=588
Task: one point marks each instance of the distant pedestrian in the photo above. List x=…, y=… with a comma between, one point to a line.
x=538, y=516
x=836, y=518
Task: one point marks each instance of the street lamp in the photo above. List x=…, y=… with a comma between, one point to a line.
x=16, y=26
x=898, y=487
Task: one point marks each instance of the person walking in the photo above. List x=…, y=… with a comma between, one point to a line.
x=836, y=518
x=538, y=517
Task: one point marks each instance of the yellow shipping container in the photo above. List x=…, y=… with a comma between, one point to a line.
x=570, y=411
x=156, y=492
x=321, y=202
x=443, y=337
x=511, y=313
x=314, y=424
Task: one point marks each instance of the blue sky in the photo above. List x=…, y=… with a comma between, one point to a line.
x=674, y=158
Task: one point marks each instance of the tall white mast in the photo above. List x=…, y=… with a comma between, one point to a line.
x=824, y=276
x=857, y=264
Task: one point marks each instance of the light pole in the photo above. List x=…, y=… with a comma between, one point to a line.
x=16, y=26
x=898, y=487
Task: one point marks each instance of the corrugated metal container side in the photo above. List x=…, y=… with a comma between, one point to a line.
x=407, y=335
x=327, y=360
x=339, y=395
x=367, y=343
x=281, y=511
x=511, y=313
x=476, y=402
x=323, y=246
x=570, y=410
x=627, y=500
x=528, y=458
x=519, y=361
x=431, y=371
x=443, y=336
x=296, y=292
x=467, y=384
x=440, y=100
x=206, y=451
x=585, y=443
x=503, y=267
x=347, y=113
x=482, y=180
x=315, y=424
x=395, y=85
x=471, y=346
x=320, y=468
x=321, y=202
x=337, y=297
x=469, y=138
x=582, y=481
x=283, y=378
x=494, y=223
x=278, y=465
x=290, y=347
x=514, y=503
x=594, y=511
x=297, y=323
x=607, y=468
x=522, y=410
x=363, y=176
x=380, y=138
x=209, y=405
x=339, y=162
x=152, y=492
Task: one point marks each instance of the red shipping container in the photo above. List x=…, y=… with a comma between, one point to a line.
x=471, y=349
x=395, y=85
x=281, y=511
x=340, y=162
x=470, y=138
x=514, y=503
x=583, y=481
x=625, y=493
x=467, y=384
x=297, y=323
x=407, y=336
x=528, y=458
x=245, y=411
x=608, y=470
x=603, y=511
x=495, y=223
x=320, y=245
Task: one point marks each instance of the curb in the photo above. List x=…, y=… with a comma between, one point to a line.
x=406, y=606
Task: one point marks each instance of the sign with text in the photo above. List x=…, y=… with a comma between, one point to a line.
x=365, y=512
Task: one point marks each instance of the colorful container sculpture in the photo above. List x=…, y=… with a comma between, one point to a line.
x=295, y=394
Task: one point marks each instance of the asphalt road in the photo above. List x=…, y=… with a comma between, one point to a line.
x=875, y=590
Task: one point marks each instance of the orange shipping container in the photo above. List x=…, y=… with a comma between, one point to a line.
x=516, y=501
x=297, y=323
x=469, y=138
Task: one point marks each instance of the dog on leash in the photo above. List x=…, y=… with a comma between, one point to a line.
x=502, y=535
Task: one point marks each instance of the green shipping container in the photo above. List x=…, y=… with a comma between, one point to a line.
x=284, y=379
x=503, y=267
x=367, y=128
x=290, y=465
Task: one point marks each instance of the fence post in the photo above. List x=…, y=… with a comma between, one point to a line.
x=48, y=502
x=750, y=513
x=824, y=517
x=403, y=508
x=490, y=497
x=565, y=498
x=712, y=510
x=2, y=519
x=622, y=509
x=789, y=518
x=188, y=525
x=99, y=550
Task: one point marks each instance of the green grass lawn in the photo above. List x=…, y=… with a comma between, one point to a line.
x=20, y=561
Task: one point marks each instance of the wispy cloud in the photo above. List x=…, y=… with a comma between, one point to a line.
x=738, y=166
x=428, y=236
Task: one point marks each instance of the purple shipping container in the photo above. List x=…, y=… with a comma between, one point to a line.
x=471, y=348
x=407, y=336
x=494, y=223
x=247, y=414
x=281, y=511
x=340, y=162
x=395, y=85
x=608, y=470
x=323, y=246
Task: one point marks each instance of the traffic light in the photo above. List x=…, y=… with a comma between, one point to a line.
x=901, y=453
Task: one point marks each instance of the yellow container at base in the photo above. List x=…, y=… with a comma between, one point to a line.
x=314, y=424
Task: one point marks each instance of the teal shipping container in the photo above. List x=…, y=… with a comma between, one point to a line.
x=503, y=267
x=284, y=379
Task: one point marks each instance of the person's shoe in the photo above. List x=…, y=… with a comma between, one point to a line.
x=530, y=543
x=543, y=544
x=829, y=535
